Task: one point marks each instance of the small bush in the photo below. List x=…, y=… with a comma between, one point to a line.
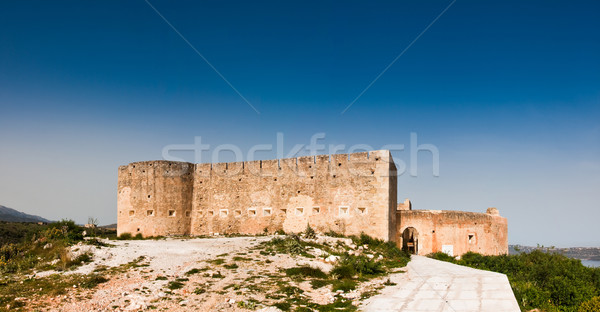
x=309, y=233
x=199, y=291
x=318, y=283
x=175, y=285
x=388, y=282
x=344, y=285
x=343, y=271
x=195, y=271
x=283, y=306
x=98, y=243
x=249, y=304
x=362, y=265
x=290, y=244
x=306, y=271
x=125, y=236
x=441, y=256
x=93, y=281
x=333, y=233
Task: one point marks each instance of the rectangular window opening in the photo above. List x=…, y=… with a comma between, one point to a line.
x=316, y=210
x=223, y=213
x=362, y=210
x=252, y=212
x=299, y=211
x=131, y=213
x=266, y=212
x=150, y=213
x=171, y=213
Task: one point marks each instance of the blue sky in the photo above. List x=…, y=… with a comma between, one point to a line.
x=509, y=92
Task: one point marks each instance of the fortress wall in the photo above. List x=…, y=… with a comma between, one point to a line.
x=437, y=228
x=155, y=198
x=330, y=193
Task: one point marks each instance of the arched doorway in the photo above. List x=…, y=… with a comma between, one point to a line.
x=410, y=240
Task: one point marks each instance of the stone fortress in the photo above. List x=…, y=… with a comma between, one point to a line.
x=344, y=193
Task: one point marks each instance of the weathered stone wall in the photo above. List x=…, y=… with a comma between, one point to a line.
x=345, y=193
x=484, y=233
x=155, y=198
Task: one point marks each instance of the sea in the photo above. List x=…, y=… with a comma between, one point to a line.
x=591, y=263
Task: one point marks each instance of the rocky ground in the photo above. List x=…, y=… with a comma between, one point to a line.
x=207, y=274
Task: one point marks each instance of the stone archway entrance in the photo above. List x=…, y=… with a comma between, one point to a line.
x=410, y=240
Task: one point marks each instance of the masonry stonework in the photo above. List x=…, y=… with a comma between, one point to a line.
x=453, y=232
x=346, y=193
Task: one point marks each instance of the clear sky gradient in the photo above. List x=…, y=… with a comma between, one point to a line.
x=508, y=91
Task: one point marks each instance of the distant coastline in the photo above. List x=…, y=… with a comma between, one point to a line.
x=589, y=255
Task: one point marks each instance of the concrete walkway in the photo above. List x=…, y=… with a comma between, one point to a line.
x=432, y=285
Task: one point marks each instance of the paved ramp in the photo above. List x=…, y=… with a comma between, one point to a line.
x=432, y=285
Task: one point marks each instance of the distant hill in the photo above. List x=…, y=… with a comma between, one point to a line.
x=12, y=215
x=582, y=253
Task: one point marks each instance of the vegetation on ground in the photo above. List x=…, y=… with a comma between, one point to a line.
x=25, y=247
x=541, y=280
x=367, y=259
x=50, y=247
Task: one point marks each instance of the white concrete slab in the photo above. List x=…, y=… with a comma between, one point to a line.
x=432, y=285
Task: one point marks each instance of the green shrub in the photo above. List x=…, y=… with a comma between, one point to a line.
x=65, y=230
x=343, y=271
x=344, y=285
x=318, y=283
x=290, y=244
x=592, y=305
x=333, y=233
x=195, y=271
x=175, y=285
x=309, y=233
x=199, y=291
x=542, y=280
x=125, y=236
x=306, y=271
x=350, y=265
x=441, y=256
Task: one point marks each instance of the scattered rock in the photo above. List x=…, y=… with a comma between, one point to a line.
x=332, y=259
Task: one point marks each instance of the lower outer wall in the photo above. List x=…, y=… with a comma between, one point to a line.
x=437, y=228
